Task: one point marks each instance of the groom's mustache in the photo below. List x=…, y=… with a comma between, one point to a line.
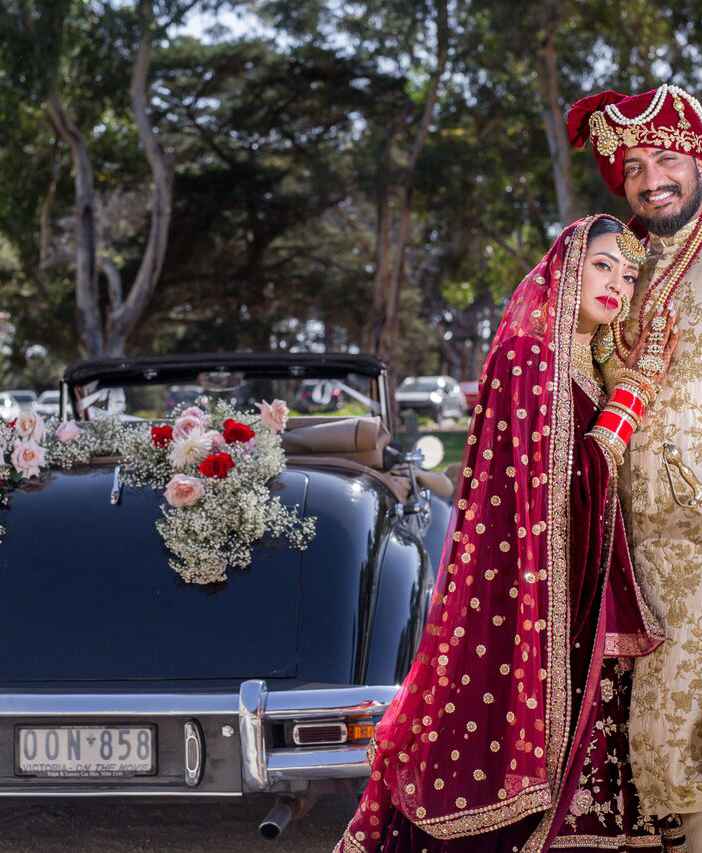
x=669, y=188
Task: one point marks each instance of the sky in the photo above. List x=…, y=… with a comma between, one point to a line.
x=238, y=24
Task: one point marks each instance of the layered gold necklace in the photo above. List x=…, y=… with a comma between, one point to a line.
x=582, y=361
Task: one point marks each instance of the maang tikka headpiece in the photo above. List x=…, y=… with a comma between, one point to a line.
x=631, y=247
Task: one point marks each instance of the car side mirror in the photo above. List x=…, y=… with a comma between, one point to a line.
x=431, y=449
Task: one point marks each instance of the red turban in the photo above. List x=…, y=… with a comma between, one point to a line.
x=666, y=117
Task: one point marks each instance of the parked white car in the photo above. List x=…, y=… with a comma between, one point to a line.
x=48, y=403
x=15, y=401
x=439, y=397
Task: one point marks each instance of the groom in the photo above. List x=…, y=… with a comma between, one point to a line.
x=649, y=148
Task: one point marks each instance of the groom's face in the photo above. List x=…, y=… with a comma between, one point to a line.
x=663, y=188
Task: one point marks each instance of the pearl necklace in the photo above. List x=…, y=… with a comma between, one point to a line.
x=649, y=113
x=654, y=107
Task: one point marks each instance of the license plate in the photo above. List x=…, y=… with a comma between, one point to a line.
x=85, y=751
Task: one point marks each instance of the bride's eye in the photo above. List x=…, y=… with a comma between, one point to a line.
x=632, y=279
x=601, y=265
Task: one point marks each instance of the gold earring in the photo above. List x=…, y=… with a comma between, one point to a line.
x=624, y=310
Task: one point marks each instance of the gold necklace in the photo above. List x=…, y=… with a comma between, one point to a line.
x=582, y=361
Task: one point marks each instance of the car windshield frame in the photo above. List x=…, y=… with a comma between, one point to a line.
x=80, y=378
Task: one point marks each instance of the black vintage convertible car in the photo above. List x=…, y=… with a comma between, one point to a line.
x=118, y=679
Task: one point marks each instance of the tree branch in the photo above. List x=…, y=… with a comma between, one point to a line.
x=114, y=282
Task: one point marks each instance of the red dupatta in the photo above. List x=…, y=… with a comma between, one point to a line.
x=477, y=736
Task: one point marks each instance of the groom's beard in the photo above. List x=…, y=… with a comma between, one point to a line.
x=666, y=226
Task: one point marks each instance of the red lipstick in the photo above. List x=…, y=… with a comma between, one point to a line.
x=609, y=302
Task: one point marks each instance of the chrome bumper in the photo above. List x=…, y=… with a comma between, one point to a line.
x=255, y=708
x=263, y=769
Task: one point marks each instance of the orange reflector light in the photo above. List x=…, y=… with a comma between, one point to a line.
x=361, y=731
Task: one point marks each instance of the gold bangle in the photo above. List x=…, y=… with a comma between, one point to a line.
x=609, y=443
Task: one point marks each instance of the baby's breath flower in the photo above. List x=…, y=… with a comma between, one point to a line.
x=219, y=531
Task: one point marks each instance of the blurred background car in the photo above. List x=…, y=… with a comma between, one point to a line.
x=14, y=401
x=438, y=397
x=315, y=396
x=470, y=393
x=48, y=403
x=178, y=394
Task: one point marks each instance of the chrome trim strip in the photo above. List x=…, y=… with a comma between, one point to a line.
x=117, y=704
x=383, y=397
x=116, y=487
x=341, y=701
x=252, y=701
x=32, y=793
x=335, y=763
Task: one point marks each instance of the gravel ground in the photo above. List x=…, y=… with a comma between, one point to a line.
x=72, y=827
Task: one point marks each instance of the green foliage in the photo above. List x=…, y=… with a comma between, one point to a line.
x=282, y=144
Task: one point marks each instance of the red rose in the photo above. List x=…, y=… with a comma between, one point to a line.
x=161, y=436
x=12, y=423
x=234, y=431
x=216, y=465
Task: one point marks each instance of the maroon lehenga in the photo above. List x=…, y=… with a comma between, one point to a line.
x=510, y=731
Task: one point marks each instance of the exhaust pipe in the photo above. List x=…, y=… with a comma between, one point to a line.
x=276, y=821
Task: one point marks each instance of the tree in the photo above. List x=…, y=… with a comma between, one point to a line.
x=61, y=86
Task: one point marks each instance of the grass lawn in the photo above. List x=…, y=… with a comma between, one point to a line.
x=454, y=441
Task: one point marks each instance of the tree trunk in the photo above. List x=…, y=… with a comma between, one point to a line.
x=87, y=299
x=106, y=333
x=395, y=220
x=569, y=206
x=124, y=317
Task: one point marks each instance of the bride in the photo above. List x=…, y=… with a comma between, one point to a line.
x=510, y=731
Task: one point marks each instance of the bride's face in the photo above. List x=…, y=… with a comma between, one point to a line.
x=607, y=277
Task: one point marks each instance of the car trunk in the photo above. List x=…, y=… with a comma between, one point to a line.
x=88, y=595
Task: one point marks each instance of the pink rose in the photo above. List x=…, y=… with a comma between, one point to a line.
x=68, y=431
x=195, y=412
x=274, y=415
x=216, y=438
x=27, y=457
x=185, y=425
x=182, y=490
x=30, y=426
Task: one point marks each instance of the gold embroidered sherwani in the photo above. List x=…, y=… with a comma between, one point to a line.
x=666, y=539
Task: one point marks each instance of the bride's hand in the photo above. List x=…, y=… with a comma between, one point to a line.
x=667, y=345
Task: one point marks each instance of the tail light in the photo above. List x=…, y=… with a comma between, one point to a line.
x=314, y=734
x=332, y=732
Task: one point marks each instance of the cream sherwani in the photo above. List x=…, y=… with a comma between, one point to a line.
x=666, y=711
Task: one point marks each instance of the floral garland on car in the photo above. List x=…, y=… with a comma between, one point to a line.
x=213, y=463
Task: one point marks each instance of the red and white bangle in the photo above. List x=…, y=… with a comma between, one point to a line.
x=620, y=419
